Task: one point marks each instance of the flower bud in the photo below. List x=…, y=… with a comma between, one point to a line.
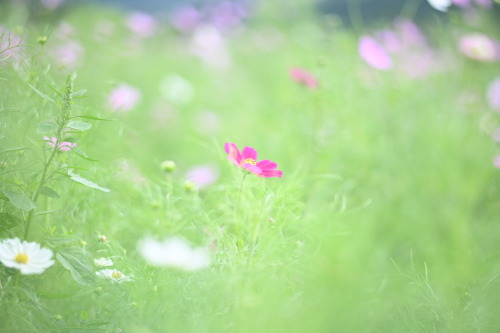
x=190, y=186
x=168, y=166
x=42, y=40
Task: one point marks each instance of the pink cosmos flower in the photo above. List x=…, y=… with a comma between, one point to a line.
x=303, y=77
x=373, y=53
x=142, y=24
x=63, y=146
x=480, y=47
x=123, y=98
x=247, y=159
x=493, y=94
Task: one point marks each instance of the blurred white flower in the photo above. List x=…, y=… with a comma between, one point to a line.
x=174, y=252
x=210, y=46
x=177, y=89
x=113, y=274
x=28, y=257
x=103, y=262
x=441, y=5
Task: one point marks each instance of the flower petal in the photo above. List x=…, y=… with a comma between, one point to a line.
x=252, y=168
x=233, y=152
x=271, y=173
x=267, y=165
x=249, y=152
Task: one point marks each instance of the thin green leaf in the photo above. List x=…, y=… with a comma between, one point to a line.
x=94, y=118
x=20, y=200
x=10, y=150
x=79, y=179
x=47, y=191
x=41, y=94
x=75, y=261
x=54, y=89
x=83, y=154
x=79, y=125
x=79, y=93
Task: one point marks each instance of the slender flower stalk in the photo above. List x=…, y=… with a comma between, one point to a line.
x=65, y=109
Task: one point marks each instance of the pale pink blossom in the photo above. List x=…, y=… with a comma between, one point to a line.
x=374, y=54
x=63, y=146
x=496, y=162
x=462, y=3
x=479, y=47
x=10, y=44
x=69, y=54
x=186, y=18
x=52, y=4
x=142, y=24
x=247, y=160
x=124, y=98
x=493, y=94
x=203, y=175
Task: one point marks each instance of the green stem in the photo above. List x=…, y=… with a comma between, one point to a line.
x=43, y=179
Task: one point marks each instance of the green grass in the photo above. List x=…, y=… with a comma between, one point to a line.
x=386, y=218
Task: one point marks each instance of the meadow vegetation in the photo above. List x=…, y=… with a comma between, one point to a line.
x=112, y=156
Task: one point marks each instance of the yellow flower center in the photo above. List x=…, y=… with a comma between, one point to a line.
x=116, y=274
x=249, y=161
x=21, y=258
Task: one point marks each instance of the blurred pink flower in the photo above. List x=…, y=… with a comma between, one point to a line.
x=462, y=3
x=303, y=77
x=409, y=33
x=484, y=3
x=373, y=53
x=69, y=54
x=203, y=175
x=493, y=94
x=64, y=31
x=52, y=4
x=10, y=43
x=142, y=24
x=123, y=98
x=227, y=15
x=186, y=18
x=247, y=160
x=63, y=146
x=480, y=47
x=496, y=162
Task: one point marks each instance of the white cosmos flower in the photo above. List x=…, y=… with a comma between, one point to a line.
x=113, y=274
x=175, y=252
x=441, y=5
x=28, y=257
x=103, y=262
